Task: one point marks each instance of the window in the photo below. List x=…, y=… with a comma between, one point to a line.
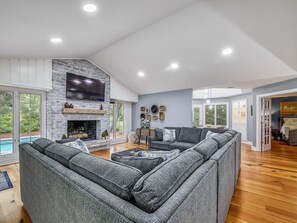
x=197, y=115
x=216, y=115
x=117, y=121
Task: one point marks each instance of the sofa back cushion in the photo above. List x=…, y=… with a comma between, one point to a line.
x=61, y=153
x=155, y=187
x=229, y=135
x=221, y=139
x=159, y=135
x=41, y=144
x=190, y=135
x=206, y=148
x=144, y=164
x=115, y=177
x=177, y=131
x=232, y=132
x=214, y=130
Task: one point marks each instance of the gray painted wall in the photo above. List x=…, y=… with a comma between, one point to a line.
x=178, y=113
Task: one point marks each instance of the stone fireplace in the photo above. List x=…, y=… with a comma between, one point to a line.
x=88, y=127
x=83, y=129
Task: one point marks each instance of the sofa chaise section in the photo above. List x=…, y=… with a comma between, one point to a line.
x=52, y=192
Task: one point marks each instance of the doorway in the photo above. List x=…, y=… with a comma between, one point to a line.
x=116, y=122
x=266, y=128
x=22, y=119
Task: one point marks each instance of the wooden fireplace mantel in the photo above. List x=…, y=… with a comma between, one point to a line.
x=83, y=111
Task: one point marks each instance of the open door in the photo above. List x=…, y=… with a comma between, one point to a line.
x=265, y=124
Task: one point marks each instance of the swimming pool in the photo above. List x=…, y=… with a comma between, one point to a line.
x=6, y=145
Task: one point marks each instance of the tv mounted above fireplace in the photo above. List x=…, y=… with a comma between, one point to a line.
x=83, y=88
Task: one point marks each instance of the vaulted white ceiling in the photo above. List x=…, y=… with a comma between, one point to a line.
x=125, y=37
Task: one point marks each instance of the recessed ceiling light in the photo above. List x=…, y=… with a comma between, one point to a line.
x=90, y=7
x=141, y=74
x=227, y=51
x=174, y=66
x=56, y=40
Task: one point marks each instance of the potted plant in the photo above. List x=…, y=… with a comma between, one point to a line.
x=103, y=135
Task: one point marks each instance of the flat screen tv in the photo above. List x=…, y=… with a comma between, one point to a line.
x=84, y=88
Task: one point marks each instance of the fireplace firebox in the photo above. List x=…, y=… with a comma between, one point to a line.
x=84, y=130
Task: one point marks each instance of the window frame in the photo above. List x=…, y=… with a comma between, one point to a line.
x=215, y=113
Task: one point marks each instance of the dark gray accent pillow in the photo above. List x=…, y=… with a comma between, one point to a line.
x=221, y=139
x=61, y=153
x=206, y=148
x=154, y=188
x=115, y=177
x=41, y=144
x=232, y=132
x=190, y=135
x=144, y=164
x=159, y=134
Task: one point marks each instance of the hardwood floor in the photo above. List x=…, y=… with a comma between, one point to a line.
x=266, y=190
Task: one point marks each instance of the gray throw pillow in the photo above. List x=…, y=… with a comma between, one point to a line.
x=144, y=164
x=156, y=187
x=168, y=135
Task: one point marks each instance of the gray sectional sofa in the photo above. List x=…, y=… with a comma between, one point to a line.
x=185, y=138
x=62, y=184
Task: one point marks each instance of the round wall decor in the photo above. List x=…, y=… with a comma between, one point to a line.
x=142, y=116
x=154, y=109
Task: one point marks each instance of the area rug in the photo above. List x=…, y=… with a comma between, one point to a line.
x=5, y=182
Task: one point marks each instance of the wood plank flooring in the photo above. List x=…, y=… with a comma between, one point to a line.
x=266, y=190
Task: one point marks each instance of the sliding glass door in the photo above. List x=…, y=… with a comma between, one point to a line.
x=21, y=119
x=30, y=117
x=6, y=123
x=116, y=121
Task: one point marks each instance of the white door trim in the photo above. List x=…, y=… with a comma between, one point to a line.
x=258, y=113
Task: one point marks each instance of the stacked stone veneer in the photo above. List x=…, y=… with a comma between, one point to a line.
x=56, y=98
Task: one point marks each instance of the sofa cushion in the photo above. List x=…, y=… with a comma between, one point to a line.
x=159, y=134
x=206, y=148
x=190, y=135
x=211, y=134
x=229, y=135
x=115, y=177
x=182, y=146
x=160, y=145
x=154, y=188
x=221, y=139
x=177, y=131
x=41, y=144
x=61, y=153
x=232, y=132
x=144, y=164
x=169, y=135
x=61, y=141
x=214, y=130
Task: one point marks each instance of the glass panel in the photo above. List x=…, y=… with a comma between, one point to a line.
x=111, y=121
x=221, y=115
x=30, y=117
x=6, y=123
x=209, y=115
x=196, y=116
x=119, y=115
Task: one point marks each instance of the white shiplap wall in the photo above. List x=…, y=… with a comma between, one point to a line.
x=120, y=92
x=26, y=73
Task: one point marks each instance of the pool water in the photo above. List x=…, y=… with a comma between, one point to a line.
x=6, y=145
